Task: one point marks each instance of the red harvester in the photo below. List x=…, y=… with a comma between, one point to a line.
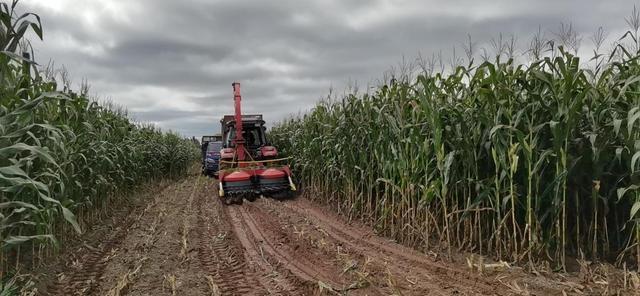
x=249, y=165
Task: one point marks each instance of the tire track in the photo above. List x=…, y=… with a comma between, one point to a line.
x=86, y=279
x=147, y=229
x=297, y=265
x=450, y=280
x=274, y=272
x=302, y=257
x=363, y=276
x=218, y=256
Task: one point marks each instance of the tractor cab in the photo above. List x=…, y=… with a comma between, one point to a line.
x=253, y=133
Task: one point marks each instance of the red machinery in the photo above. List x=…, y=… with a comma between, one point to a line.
x=249, y=166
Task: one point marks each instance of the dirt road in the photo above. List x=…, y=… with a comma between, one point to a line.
x=182, y=241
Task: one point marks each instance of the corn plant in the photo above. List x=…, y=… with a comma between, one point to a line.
x=521, y=161
x=64, y=158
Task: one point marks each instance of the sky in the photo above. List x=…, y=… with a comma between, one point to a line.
x=171, y=62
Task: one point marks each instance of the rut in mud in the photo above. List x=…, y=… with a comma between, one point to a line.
x=183, y=241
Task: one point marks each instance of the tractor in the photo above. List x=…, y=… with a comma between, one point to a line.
x=210, y=156
x=249, y=164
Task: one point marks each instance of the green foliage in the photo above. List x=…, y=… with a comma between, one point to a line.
x=63, y=155
x=518, y=161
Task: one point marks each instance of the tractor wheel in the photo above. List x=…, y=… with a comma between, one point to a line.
x=283, y=195
x=231, y=200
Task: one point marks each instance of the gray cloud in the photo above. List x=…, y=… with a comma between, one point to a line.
x=172, y=62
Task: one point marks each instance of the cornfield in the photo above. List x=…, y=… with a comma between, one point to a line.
x=64, y=158
x=528, y=162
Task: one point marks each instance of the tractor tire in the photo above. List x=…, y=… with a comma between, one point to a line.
x=283, y=195
x=232, y=200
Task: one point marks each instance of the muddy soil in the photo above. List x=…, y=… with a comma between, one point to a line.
x=181, y=240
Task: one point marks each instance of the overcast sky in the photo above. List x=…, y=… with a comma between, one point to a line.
x=172, y=62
